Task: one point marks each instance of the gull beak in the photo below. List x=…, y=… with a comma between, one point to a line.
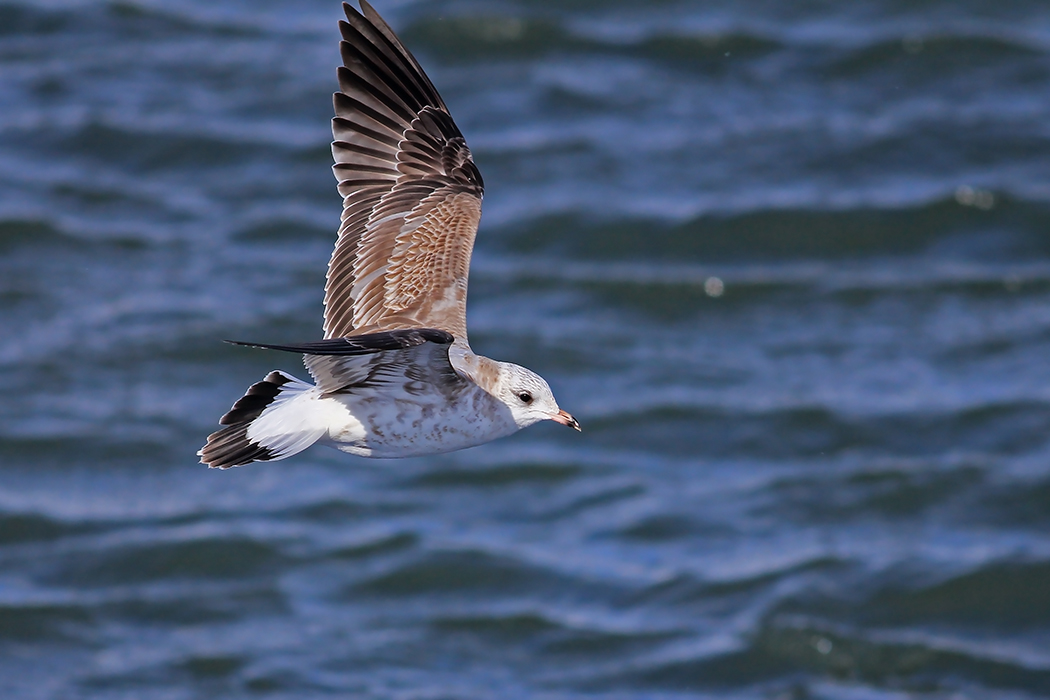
x=566, y=419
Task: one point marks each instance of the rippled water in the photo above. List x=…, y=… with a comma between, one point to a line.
x=825, y=476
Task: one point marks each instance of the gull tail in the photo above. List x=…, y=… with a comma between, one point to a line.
x=267, y=423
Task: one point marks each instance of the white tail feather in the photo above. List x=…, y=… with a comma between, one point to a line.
x=289, y=425
x=270, y=422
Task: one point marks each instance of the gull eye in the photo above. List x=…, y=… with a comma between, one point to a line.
x=525, y=397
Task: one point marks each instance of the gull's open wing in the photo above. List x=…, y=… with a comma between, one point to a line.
x=411, y=192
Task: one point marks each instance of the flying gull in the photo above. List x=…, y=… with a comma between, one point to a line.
x=394, y=375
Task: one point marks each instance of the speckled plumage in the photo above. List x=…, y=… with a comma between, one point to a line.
x=395, y=375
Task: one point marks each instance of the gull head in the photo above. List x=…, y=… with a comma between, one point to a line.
x=529, y=397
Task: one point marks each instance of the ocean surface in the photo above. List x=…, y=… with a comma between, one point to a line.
x=787, y=262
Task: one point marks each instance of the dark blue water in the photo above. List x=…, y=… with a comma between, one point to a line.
x=788, y=263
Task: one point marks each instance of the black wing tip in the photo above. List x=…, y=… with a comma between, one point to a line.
x=368, y=343
x=364, y=344
x=230, y=447
x=243, y=344
x=366, y=11
x=256, y=399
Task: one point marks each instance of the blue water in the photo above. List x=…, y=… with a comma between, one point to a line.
x=788, y=263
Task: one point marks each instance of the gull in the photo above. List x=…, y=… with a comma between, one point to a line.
x=394, y=375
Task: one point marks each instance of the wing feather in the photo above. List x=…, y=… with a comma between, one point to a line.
x=368, y=361
x=412, y=194
x=423, y=365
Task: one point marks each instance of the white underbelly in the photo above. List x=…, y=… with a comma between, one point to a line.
x=383, y=427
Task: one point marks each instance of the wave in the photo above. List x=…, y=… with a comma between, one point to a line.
x=971, y=599
x=500, y=475
x=195, y=559
x=121, y=16
x=785, y=234
x=933, y=52
x=796, y=652
x=25, y=233
x=18, y=528
x=52, y=236
x=889, y=636
x=461, y=573
x=473, y=37
x=727, y=421
x=550, y=634
x=468, y=574
x=144, y=150
x=42, y=621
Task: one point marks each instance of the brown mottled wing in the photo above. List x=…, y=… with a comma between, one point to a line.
x=411, y=192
